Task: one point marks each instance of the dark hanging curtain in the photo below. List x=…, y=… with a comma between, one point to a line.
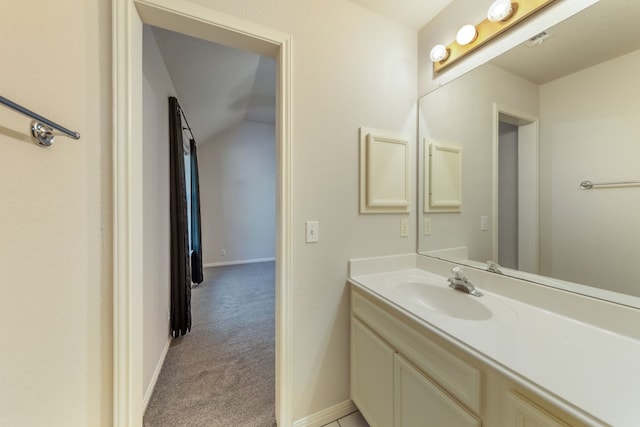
x=180, y=268
x=196, y=236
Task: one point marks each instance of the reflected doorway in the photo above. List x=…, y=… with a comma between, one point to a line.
x=515, y=240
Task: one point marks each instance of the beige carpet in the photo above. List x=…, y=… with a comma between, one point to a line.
x=222, y=372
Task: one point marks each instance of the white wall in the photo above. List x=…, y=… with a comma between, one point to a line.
x=351, y=68
x=157, y=87
x=590, y=121
x=56, y=214
x=462, y=113
x=238, y=193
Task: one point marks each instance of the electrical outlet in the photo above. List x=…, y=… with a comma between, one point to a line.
x=404, y=227
x=484, y=223
x=223, y=252
x=313, y=230
x=426, y=225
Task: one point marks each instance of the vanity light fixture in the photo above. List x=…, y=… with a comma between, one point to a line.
x=502, y=15
x=439, y=53
x=466, y=35
x=500, y=10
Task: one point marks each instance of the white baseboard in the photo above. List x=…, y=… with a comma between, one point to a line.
x=242, y=261
x=154, y=378
x=328, y=415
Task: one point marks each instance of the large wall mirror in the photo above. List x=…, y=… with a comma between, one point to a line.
x=532, y=125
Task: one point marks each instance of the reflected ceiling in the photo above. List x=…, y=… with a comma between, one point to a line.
x=614, y=31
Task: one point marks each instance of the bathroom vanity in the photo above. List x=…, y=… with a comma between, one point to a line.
x=423, y=354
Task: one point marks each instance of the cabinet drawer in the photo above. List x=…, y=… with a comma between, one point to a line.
x=457, y=377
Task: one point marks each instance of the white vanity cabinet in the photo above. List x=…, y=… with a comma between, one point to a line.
x=403, y=375
x=525, y=413
x=371, y=375
x=419, y=402
x=389, y=391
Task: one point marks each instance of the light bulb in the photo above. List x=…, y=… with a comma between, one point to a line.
x=466, y=35
x=499, y=10
x=439, y=53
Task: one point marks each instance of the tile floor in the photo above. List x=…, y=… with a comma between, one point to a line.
x=351, y=420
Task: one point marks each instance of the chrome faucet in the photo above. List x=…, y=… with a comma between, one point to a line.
x=461, y=283
x=493, y=267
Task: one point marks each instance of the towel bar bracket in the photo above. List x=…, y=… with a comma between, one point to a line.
x=42, y=134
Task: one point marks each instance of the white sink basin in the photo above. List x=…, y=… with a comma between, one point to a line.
x=432, y=293
x=444, y=300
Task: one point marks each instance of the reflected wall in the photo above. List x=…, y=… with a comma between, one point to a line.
x=590, y=130
x=589, y=124
x=462, y=113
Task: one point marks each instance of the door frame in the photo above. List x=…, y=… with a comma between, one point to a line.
x=194, y=20
x=528, y=185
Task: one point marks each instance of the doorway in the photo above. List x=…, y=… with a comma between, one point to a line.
x=515, y=234
x=227, y=100
x=196, y=21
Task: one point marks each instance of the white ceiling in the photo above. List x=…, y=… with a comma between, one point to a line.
x=217, y=86
x=413, y=13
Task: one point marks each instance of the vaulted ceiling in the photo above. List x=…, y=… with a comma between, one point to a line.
x=217, y=86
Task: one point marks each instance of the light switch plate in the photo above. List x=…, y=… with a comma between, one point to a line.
x=426, y=225
x=313, y=229
x=404, y=227
x=484, y=223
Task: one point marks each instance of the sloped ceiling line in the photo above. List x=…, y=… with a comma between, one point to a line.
x=218, y=86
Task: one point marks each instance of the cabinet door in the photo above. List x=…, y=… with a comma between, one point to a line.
x=524, y=413
x=420, y=403
x=371, y=375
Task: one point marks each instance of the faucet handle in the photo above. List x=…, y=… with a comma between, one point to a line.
x=458, y=272
x=493, y=267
